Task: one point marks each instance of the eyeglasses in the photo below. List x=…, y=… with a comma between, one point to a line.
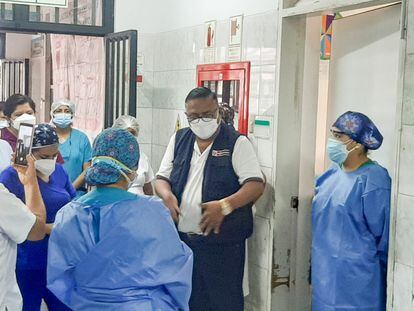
x=205, y=117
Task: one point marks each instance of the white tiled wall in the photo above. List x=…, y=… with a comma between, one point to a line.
x=403, y=283
x=407, y=161
x=408, y=115
x=410, y=25
x=405, y=230
x=169, y=73
x=403, y=269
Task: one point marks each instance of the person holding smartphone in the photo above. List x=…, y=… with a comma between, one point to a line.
x=18, y=223
x=56, y=190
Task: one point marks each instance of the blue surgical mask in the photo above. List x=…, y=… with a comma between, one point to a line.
x=337, y=151
x=62, y=120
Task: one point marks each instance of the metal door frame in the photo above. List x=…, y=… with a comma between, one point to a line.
x=23, y=79
x=230, y=71
x=110, y=70
x=21, y=23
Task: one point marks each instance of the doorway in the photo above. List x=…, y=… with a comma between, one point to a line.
x=77, y=56
x=364, y=59
x=58, y=67
x=312, y=93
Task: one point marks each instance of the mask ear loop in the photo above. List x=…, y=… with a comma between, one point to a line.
x=118, y=165
x=353, y=149
x=125, y=176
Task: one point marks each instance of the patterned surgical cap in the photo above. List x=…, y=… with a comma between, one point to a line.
x=114, y=150
x=360, y=129
x=44, y=135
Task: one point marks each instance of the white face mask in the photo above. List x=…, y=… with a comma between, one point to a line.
x=129, y=180
x=204, y=129
x=4, y=124
x=24, y=118
x=46, y=166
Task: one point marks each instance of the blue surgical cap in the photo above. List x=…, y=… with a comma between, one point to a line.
x=44, y=135
x=360, y=129
x=115, y=152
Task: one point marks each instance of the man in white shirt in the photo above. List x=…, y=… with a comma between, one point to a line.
x=209, y=178
x=18, y=223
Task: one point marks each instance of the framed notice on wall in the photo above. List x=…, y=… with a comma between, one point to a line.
x=38, y=46
x=53, y=3
x=235, y=39
x=236, y=29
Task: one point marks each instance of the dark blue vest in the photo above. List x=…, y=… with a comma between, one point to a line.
x=220, y=180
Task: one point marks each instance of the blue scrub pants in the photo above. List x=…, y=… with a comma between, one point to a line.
x=32, y=284
x=217, y=275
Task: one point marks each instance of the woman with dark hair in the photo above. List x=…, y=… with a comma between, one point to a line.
x=350, y=219
x=17, y=109
x=114, y=250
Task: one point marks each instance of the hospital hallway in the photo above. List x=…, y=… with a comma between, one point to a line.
x=207, y=155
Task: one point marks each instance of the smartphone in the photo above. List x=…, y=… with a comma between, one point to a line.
x=24, y=143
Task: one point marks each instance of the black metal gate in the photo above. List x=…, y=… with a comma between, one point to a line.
x=121, y=74
x=14, y=75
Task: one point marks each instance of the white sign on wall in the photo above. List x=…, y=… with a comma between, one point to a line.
x=53, y=3
x=236, y=30
x=235, y=39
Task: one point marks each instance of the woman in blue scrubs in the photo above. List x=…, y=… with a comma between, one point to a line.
x=74, y=145
x=57, y=191
x=350, y=220
x=115, y=250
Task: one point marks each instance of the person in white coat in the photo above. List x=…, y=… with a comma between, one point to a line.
x=142, y=184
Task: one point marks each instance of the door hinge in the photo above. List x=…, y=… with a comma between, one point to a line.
x=294, y=202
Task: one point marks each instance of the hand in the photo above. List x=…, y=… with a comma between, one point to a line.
x=49, y=228
x=27, y=175
x=172, y=204
x=212, y=217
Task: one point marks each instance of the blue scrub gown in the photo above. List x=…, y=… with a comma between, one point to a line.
x=350, y=222
x=113, y=250
x=76, y=151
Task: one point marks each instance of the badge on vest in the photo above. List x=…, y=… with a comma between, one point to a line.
x=221, y=153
